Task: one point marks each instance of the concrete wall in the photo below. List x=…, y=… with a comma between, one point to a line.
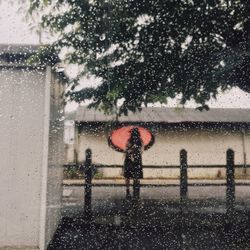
x=205, y=147
x=27, y=144
x=54, y=161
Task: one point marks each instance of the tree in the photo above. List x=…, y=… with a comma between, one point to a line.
x=148, y=50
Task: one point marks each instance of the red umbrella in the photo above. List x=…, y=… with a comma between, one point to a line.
x=119, y=137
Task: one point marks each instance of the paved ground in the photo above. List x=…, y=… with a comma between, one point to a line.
x=156, y=220
x=75, y=235
x=109, y=190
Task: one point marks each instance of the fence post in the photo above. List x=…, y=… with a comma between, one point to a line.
x=183, y=175
x=183, y=197
x=230, y=191
x=88, y=183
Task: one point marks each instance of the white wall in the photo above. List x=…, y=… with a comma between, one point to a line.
x=24, y=139
x=69, y=140
x=205, y=147
x=55, y=160
x=69, y=131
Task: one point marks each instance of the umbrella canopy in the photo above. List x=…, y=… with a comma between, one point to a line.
x=119, y=137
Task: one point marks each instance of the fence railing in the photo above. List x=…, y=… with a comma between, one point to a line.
x=88, y=168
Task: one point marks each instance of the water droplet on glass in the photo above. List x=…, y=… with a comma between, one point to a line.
x=102, y=37
x=61, y=119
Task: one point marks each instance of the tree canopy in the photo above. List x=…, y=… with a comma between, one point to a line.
x=145, y=51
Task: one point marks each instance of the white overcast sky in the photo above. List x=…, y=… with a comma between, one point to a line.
x=14, y=29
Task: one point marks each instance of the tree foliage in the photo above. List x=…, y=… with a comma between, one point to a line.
x=148, y=50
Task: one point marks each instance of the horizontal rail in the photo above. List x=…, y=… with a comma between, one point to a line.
x=155, y=185
x=156, y=167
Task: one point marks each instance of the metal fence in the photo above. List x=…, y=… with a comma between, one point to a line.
x=88, y=168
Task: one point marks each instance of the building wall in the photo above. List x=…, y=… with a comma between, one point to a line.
x=21, y=144
x=25, y=156
x=204, y=147
x=55, y=160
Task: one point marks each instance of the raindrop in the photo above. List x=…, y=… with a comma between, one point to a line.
x=61, y=119
x=102, y=37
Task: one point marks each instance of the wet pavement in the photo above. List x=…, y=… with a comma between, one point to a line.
x=96, y=236
x=155, y=221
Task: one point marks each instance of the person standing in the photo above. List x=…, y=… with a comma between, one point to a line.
x=132, y=168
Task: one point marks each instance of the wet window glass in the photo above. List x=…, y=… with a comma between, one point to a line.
x=124, y=124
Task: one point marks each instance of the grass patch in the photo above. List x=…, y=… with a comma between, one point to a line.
x=74, y=173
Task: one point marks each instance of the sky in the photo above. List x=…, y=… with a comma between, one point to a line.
x=15, y=30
